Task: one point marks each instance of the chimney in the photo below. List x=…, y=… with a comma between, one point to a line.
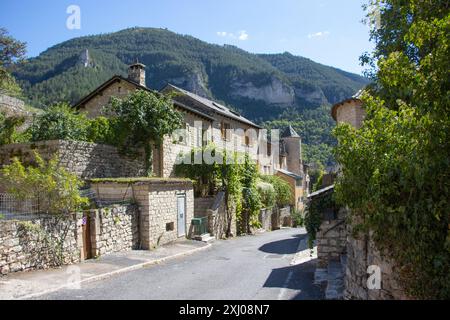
x=136, y=73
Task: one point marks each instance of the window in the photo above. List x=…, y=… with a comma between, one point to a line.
x=299, y=183
x=225, y=129
x=181, y=136
x=247, y=140
x=199, y=137
x=170, y=226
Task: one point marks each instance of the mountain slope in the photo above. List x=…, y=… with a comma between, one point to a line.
x=269, y=82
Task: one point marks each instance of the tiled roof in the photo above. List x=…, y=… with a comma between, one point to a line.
x=120, y=78
x=213, y=106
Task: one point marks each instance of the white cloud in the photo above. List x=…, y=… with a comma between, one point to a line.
x=319, y=34
x=241, y=35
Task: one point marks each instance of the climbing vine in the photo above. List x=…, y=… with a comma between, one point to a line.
x=315, y=210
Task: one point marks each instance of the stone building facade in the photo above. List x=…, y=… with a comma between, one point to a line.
x=114, y=229
x=205, y=121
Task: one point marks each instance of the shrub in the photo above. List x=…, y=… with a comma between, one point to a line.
x=8, y=129
x=104, y=130
x=59, y=122
x=267, y=194
x=55, y=189
x=284, y=194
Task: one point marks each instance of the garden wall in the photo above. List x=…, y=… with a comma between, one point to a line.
x=39, y=243
x=86, y=160
x=45, y=241
x=362, y=253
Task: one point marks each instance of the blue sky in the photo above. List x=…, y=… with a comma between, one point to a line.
x=326, y=31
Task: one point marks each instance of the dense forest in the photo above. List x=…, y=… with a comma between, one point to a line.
x=278, y=88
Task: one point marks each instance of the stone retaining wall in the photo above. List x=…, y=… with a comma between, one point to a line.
x=86, y=160
x=362, y=253
x=331, y=240
x=39, y=243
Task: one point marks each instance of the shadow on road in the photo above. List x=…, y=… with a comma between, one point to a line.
x=299, y=278
x=286, y=246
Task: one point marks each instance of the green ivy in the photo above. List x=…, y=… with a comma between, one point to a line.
x=314, y=214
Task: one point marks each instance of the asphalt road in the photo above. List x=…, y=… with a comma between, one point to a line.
x=245, y=268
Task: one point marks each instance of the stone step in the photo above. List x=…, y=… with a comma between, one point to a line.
x=206, y=238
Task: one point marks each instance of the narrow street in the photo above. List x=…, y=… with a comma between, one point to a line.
x=253, y=267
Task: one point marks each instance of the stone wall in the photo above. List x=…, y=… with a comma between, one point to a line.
x=275, y=218
x=285, y=217
x=12, y=106
x=362, y=253
x=45, y=241
x=86, y=160
x=157, y=200
x=40, y=243
x=220, y=220
x=265, y=218
x=114, y=229
x=352, y=113
x=331, y=240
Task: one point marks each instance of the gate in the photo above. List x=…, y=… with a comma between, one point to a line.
x=87, y=244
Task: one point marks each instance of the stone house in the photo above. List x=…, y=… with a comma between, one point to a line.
x=205, y=121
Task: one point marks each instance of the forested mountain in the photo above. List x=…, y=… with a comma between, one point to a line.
x=264, y=88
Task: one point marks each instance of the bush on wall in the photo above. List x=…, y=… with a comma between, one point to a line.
x=55, y=190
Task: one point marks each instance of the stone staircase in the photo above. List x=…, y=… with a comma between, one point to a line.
x=331, y=279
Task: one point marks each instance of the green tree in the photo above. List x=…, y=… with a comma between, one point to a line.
x=59, y=122
x=146, y=117
x=12, y=52
x=395, y=169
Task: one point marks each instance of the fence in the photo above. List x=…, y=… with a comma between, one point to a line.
x=14, y=208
